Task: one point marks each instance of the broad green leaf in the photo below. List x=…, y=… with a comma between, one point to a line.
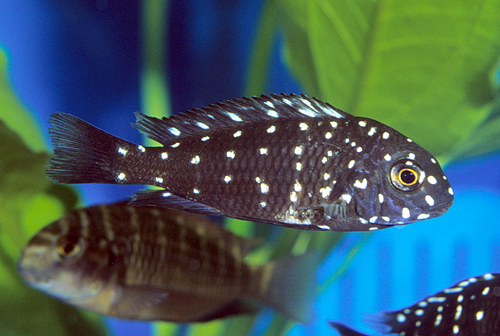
x=29, y=201
x=423, y=67
x=14, y=114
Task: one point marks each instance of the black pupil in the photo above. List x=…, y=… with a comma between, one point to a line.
x=68, y=247
x=408, y=176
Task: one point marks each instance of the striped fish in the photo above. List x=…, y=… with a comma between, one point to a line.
x=146, y=263
x=286, y=160
x=468, y=308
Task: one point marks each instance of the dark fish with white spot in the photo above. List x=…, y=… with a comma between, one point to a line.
x=287, y=160
x=468, y=308
x=146, y=263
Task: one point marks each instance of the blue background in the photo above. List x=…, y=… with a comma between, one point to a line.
x=83, y=57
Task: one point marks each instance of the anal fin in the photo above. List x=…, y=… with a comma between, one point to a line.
x=130, y=302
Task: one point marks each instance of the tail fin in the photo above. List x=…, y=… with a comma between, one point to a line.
x=292, y=287
x=83, y=153
x=344, y=330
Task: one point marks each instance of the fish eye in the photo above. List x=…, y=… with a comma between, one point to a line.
x=68, y=246
x=406, y=176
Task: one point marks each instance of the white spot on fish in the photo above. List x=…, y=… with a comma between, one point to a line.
x=362, y=123
x=411, y=156
x=450, y=191
x=271, y=129
x=297, y=186
x=324, y=160
x=308, y=113
x=405, y=213
x=164, y=155
x=381, y=198
x=159, y=179
x=372, y=131
x=387, y=219
x=227, y=178
x=419, y=312
x=263, y=151
x=263, y=204
x=141, y=148
x=359, y=149
x=385, y=135
x=353, y=144
x=373, y=219
x=273, y=114
x=230, y=154
x=401, y=318
x=237, y=134
x=122, y=151
x=328, y=135
x=444, y=177
x=334, y=124
x=298, y=166
x=363, y=221
x=433, y=160
x=205, y=138
x=234, y=116
x=325, y=192
x=202, y=125
x=423, y=216
x=293, y=196
x=121, y=177
x=479, y=315
x=258, y=180
x=286, y=101
x=429, y=200
x=346, y=197
x=303, y=126
x=326, y=176
x=438, y=320
x=298, y=150
x=175, y=145
x=351, y=164
x=269, y=103
x=264, y=188
x=196, y=191
x=347, y=140
x=431, y=179
x=166, y=194
x=362, y=184
x=329, y=153
x=174, y=131
x=488, y=276
x=195, y=160
x=456, y=329
x=387, y=157
x=373, y=228
x=323, y=227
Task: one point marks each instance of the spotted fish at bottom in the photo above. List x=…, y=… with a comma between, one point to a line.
x=282, y=159
x=468, y=308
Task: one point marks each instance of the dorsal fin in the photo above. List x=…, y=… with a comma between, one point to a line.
x=200, y=121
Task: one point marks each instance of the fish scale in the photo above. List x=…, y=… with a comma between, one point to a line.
x=152, y=263
x=287, y=160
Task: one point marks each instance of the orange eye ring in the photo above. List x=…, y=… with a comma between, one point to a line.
x=68, y=247
x=406, y=176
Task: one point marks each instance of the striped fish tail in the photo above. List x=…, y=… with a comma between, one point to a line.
x=292, y=286
x=85, y=154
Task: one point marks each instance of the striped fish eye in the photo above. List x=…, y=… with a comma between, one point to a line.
x=405, y=176
x=68, y=246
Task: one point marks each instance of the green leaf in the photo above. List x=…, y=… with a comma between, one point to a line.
x=423, y=67
x=29, y=201
x=14, y=114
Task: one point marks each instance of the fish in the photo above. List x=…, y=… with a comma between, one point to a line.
x=286, y=160
x=469, y=308
x=147, y=263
